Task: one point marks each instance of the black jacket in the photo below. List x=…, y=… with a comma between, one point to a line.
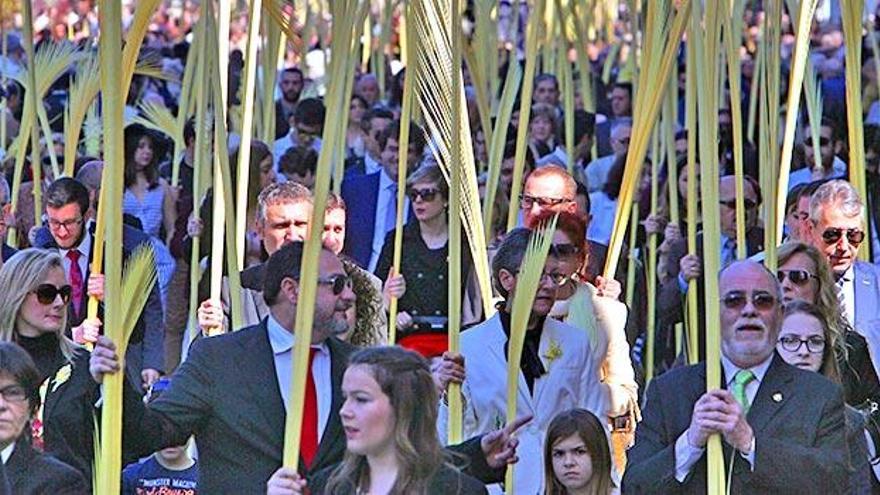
x=32, y=473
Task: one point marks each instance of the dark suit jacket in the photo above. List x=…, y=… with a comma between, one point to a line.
x=446, y=480
x=148, y=335
x=671, y=301
x=360, y=193
x=7, y=251
x=32, y=473
x=797, y=418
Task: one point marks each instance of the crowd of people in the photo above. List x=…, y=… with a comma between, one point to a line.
x=797, y=410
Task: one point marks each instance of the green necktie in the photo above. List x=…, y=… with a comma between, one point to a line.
x=740, y=381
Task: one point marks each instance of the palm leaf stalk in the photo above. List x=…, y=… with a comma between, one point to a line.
x=527, y=281
x=347, y=20
x=112, y=184
x=338, y=169
x=813, y=98
x=664, y=28
x=757, y=76
x=87, y=76
x=498, y=143
x=670, y=120
x=651, y=262
x=732, y=43
x=851, y=12
x=875, y=50
x=567, y=89
x=403, y=141
x=4, y=48
x=247, y=126
x=269, y=63
x=708, y=74
x=580, y=16
x=804, y=20
x=692, y=317
x=186, y=102
x=533, y=32
x=770, y=108
x=34, y=104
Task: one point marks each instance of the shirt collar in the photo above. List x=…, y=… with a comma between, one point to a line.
x=84, y=246
x=730, y=369
x=848, y=275
x=282, y=340
x=6, y=453
x=385, y=181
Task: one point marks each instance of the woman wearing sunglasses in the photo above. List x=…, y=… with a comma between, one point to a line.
x=804, y=275
x=421, y=285
x=33, y=314
x=389, y=416
x=805, y=341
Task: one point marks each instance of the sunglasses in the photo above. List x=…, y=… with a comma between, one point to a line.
x=526, y=201
x=853, y=236
x=823, y=141
x=337, y=283
x=46, y=293
x=760, y=300
x=424, y=194
x=797, y=277
x=747, y=203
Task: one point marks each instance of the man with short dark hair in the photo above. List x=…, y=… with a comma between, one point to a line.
x=829, y=146
x=777, y=422
x=306, y=126
x=291, y=84
x=70, y=232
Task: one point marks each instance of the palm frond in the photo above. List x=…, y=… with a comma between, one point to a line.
x=82, y=92
x=92, y=131
x=275, y=9
x=157, y=117
x=134, y=39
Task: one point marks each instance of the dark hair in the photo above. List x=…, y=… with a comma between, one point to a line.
x=189, y=131
x=17, y=364
x=259, y=152
x=794, y=195
x=310, y=112
x=299, y=160
x=133, y=135
x=293, y=70
x=587, y=426
x=829, y=357
x=65, y=191
x=404, y=377
x=584, y=124
x=615, y=176
x=628, y=87
x=509, y=256
x=547, y=77
x=416, y=136
x=284, y=263
x=377, y=112
x=583, y=191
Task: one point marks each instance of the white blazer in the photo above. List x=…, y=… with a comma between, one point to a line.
x=571, y=381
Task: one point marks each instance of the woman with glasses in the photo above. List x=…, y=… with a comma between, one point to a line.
x=804, y=275
x=28, y=471
x=421, y=285
x=594, y=309
x=805, y=341
x=33, y=314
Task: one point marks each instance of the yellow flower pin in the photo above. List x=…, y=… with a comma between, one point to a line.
x=61, y=376
x=553, y=353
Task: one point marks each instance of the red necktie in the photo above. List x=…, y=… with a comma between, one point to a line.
x=76, y=281
x=309, y=441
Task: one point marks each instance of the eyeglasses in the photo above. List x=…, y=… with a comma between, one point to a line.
x=823, y=141
x=853, y=236
x=338, y=283
x=423, y=194
x=46, y=293
x=66, y=225
x=793, y=343
x=747, y=203
x=14, y=393
x=797, y=277
x=307, y=133
x=760, y=300
x=558, y=278
x=564, y=250
x=526, y=201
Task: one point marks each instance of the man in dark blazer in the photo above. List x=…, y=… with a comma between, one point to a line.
x=371, y=197
x=231, y=391
x=70, y=229
x=782, y=427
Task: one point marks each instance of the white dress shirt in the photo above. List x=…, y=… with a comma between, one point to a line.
x=282, y=342
x=846, y=287
x=687, y=455
x=384, y=200
x=6, y=453
x=85, y=249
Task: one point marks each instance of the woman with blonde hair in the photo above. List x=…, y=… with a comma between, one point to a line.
x=33, y=314
x=389, y=416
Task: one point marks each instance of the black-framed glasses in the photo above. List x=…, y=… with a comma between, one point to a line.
x=832, y=235
x=797, y=277
x=14, y=393
x=731, y=203
x=307, y=133
x=823, y=141
x=66, y=225
x=428, y=194
x=337, y=283
x=793, y=343
x=46, y=293
x=760, y=300
x=526, y=201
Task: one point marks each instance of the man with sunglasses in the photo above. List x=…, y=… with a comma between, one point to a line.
x=837, y=229
x=232, y=392
x=557, y=364
x=829, y=146
x=782, y=428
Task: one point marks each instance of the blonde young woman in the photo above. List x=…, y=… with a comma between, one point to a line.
x=33, y=314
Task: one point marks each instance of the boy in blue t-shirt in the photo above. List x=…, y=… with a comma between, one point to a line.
x=170, y=471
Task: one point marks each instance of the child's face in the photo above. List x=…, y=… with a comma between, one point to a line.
x=172, y=454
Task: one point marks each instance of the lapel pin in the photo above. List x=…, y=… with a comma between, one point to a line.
x=777, y=397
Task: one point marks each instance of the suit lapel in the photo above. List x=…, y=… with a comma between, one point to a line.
x=865, y=291
x=772, y=394
x=260, y=361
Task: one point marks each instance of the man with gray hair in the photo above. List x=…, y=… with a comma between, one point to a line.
x=837, y=229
